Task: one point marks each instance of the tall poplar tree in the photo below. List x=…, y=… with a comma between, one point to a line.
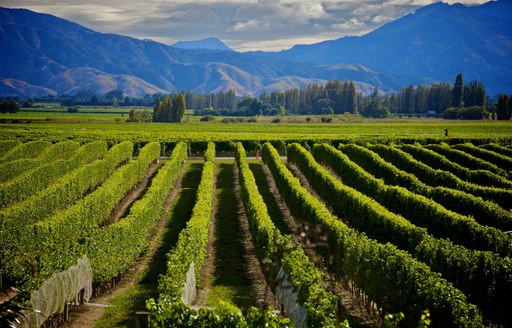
x=458, y=92
x=178, y=107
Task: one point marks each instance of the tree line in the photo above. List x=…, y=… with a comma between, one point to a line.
x=452, y=101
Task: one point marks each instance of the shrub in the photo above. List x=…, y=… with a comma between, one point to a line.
x=207, y=118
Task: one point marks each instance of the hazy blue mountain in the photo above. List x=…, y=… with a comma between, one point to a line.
x=435, y=43
x=208, y=44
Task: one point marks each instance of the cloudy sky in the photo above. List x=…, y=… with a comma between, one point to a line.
x=244, y=26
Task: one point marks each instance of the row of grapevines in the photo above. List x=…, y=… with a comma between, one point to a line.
x=61, y=150
x=484, y=277
x=433, y=177
x=497, y=159
x=112, y=249
x=306, y=279
x=7, y=145
x=63, y=193
x=33, y=181
x=179, y=315
x=469, y=161
x=418, y=209
x=58, y=241
x=438, y=161
x=484, y=212
x=25, y=150
x=193, y=239
x=390, y=277
x=498, y=149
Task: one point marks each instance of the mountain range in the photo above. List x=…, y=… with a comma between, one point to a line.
x=43, y=54
x=208, y=44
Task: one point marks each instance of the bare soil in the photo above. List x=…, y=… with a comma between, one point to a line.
x=124, y=205
x=86, y=315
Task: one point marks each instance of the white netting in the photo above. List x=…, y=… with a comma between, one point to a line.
x=63, y=287
x=288, y=298
x=188, y=295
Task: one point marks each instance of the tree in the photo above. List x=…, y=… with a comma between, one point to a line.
x=408, y=100
x=458, y=92
x=474, y=94
x=504, y=107
x=9, y=106
x=163, y=110
x=117, y=93
x=440, y=97
x=178, y=107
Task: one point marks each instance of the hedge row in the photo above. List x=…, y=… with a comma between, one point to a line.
x=418, y=209
x=112, y=249
x=390, y=277
x=466, y=160
x=498, y=149
x=58, y=241
x=7, y=145
x=179, y=315
x=438, y=161
x=33, y=181
x=484, y=277
x=303, y=275
x=433, y=177
x=65, y=192
x=501, y=161
x=193, y=239
x=484, y=212
x=61, y=150
x=30, y=149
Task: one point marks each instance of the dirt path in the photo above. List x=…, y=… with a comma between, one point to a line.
x=232, y=272
x=312, y=240
x=124, y=205
x=87, y=314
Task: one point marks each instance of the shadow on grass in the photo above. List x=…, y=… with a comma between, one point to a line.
x=231, y=281
x=125, y=305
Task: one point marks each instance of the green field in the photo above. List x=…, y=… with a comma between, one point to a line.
x=391, y=216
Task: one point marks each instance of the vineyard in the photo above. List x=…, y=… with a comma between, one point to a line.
x=328, y=230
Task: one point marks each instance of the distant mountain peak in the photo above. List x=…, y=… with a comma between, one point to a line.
x=211, y=43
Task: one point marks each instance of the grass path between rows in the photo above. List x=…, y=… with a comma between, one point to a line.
x=145, y=285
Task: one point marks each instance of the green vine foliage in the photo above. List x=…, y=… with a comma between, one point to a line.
x=66, y=191
x=401, y=159
x=61, y=150
x=30, y=149
x=58, y=241
x=469, y=270
x=112, y=249
x=307, y=280
x=484, y=212
x=391, y=277
x=177, y=314
x=31, y=182
x=192, y=241
x=438, y=161
x=418, y=209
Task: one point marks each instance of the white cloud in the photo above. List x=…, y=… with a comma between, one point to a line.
x=252, y=25
x=247, y=24
x=351, y=24
x=379, y=19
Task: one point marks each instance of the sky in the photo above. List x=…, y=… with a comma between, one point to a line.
x=268, y=25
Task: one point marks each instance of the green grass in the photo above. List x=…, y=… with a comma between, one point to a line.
x=121, y=314
x=230, y=282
